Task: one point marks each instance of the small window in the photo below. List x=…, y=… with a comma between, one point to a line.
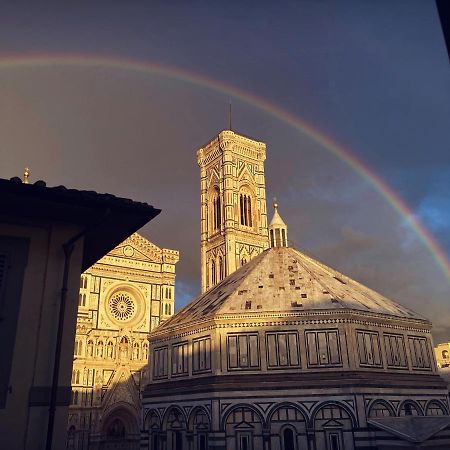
x=334, y=441
x=244, y=441
x=201, y=442
x=288, y=439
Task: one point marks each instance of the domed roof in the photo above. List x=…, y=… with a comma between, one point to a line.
x=284, y=280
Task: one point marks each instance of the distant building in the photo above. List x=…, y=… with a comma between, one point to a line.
x=123, y=296
x=285, y=353
x=48, y=237
x=442, y=352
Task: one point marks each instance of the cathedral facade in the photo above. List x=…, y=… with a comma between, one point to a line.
x=280, y=351
x=122, y=297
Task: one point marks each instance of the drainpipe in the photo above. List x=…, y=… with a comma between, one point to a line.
x=68, y=249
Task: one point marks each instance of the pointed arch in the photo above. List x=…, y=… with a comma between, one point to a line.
x=247, y=199
x=215, y=208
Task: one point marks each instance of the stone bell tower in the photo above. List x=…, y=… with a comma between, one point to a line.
x=233, y=204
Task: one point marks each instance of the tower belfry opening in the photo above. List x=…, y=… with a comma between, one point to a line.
x=233, y=204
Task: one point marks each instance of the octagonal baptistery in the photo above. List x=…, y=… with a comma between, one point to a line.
x=289, y=354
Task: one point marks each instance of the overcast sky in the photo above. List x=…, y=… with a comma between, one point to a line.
x=371, y=76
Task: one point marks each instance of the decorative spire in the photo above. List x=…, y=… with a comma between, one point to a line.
x=26, y=175
x=275, y=205
x=277, y=229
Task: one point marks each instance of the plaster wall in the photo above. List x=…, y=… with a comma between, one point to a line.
x=23, y=420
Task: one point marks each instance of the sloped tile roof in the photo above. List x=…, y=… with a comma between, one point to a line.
x=286, y=280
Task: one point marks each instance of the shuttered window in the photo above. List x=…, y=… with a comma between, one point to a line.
x=282, y=350
x=323, y=348
x=201, y=355
x=243, y=351
x=395, y=351
x=419, y=351
x=368, y=348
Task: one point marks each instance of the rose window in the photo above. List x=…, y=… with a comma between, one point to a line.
x=122, y=306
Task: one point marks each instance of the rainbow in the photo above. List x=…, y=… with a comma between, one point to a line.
x=94, y=61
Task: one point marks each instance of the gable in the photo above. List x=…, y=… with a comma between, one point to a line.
x=139, y=248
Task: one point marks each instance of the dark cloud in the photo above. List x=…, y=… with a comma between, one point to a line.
x=371, y=76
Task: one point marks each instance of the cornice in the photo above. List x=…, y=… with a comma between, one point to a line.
x=305, y=318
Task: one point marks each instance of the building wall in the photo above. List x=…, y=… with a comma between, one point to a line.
x=227, y=417
x=24, y=411
x=247, y=377
x=122, y=298
x=251, y=344
x=233, y=205
x=442, y=352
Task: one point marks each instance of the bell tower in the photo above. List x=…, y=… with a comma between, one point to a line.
x=233, y=204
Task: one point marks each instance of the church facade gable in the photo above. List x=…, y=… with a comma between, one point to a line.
x=122, y=298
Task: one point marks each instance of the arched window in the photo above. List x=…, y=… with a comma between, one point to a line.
x=245, y=204
x=85, y=282
x=243, y=261
x=170, y=309
x=288, y=439
x=80, y=348
x=110, y=350
x=80, y=299
x=71, y=438
x=84, y=300
x=75, y=398
x=100, y=349
x=136, y=350
x=90, y=348
x=116, y=429
x=213, y=273
x=145, y=351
